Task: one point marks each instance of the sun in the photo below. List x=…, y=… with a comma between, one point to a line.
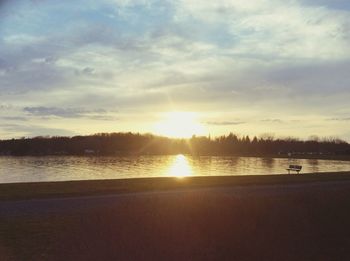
x=179, y=125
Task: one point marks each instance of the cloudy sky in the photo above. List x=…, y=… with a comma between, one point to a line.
x=250, y=67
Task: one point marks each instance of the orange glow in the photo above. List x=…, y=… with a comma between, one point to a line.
x=180, y=125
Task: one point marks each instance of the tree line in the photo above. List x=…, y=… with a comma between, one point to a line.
x=143, y=144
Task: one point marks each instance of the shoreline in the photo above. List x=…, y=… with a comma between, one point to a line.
x=63, y=189
x=268, y=156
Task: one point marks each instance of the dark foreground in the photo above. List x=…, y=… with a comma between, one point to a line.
x=267, y=221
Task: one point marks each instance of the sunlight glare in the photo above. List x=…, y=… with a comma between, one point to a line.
x=180, y=168
x=180, y=125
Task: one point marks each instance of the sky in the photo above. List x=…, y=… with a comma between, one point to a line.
x=249, y=67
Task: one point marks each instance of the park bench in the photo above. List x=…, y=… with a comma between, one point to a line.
x=296, y=168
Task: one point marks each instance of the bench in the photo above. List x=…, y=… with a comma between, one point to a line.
x=296, y=168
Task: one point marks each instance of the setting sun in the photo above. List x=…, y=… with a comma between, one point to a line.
x=179, y=125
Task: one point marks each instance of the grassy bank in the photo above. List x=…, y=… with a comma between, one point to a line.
x=20, y=191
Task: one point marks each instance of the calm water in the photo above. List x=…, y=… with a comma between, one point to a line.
x=58, y=168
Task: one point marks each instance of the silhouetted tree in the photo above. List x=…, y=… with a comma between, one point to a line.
x=136, y=144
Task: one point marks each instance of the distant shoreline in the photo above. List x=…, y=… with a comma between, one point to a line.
x=44, y=190
x=134, y=144
x=270, y=156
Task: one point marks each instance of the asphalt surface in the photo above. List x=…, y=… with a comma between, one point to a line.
x=39, y=207
x=275, y=222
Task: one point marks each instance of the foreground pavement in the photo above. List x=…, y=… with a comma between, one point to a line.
x=270, y=222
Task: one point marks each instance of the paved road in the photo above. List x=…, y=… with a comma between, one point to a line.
x=283, y=222
x=75, y=204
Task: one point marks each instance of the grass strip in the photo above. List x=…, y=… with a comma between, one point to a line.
x=39, y=190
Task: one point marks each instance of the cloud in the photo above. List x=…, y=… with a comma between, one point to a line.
x=14, y=118
x=225, y=123
x=272, y=121
x=274, y=29
x=65, y=112
x=5, y=107
x=32, y=131
x=334, y=4
x=103, y=118
x=340, y=119
x=323, y=77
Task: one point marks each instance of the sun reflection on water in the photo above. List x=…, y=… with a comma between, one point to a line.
x=180, y=167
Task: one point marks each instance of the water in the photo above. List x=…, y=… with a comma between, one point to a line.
x=60, y=168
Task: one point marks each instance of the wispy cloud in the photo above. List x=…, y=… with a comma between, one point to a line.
x=97, y=114
x=340, y=119
x=20, y=130
x=272, y=120
x=225, y=123
x=13, y=118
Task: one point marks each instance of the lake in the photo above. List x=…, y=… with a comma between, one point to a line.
x=62, y=168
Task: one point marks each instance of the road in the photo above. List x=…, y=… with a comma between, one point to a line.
x=276, y=222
